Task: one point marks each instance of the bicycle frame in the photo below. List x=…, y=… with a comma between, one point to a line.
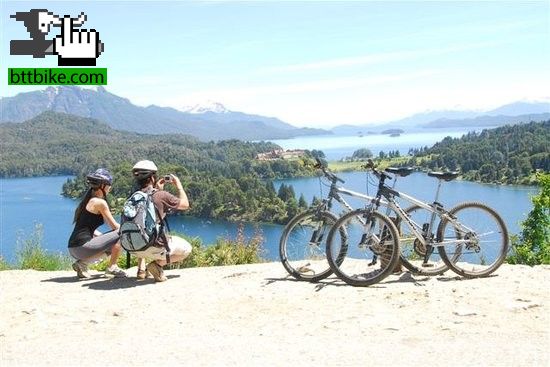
x=435, y=208
x=335, y=193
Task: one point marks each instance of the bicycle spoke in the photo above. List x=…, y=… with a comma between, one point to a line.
x=481, y=240
x=413, y=251
x=303, y=245
x=370, y=252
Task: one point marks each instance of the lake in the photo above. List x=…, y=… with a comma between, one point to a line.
x=336, y=147
x=25, y=202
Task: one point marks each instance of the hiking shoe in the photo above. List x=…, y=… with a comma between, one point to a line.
x=142, y=274
x=115, y=271
x=156, y=271
x=81, y=269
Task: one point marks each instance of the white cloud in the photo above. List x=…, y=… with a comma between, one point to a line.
x=328, y=85
x=375, y=58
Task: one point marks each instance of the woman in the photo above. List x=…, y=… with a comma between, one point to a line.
x=86, y=244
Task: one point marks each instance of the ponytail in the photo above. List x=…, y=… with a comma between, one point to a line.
x=82, y=205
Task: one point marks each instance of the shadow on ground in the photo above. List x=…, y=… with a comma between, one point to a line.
x=103, y=283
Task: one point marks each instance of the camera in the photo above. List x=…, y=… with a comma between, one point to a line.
x=167, y=178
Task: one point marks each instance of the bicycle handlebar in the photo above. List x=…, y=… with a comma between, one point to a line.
x=331, y=176
x=370, y=165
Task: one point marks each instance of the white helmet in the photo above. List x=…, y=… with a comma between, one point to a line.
x=145, y=166
x=144, y=169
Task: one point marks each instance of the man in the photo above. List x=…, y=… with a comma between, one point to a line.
x=145, y=174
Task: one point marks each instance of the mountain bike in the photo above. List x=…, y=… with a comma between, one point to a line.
x=471, y=238
x=302, y=247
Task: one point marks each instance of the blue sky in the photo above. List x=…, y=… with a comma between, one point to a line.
x=311, y=63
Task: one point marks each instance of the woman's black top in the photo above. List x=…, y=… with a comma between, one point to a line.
x=84, y=228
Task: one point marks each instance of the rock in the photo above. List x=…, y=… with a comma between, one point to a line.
x=464, y=312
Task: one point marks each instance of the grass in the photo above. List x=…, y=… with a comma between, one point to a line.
x=338, y=166
x=31, y=255
x=226, y=251
x=4, y=264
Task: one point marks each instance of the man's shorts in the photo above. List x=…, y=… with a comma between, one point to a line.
x=178, y=247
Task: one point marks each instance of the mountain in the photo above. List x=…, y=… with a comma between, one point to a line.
x=209, y=106
x=218, y=112
x=487, y=121
x=521, y=108
x=120, y=114
x=508, y=114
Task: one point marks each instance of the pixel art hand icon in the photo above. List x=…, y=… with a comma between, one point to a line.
x=76, y=47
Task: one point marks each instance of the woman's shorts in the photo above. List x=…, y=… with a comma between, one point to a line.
x=178, y=247
x=96, y=247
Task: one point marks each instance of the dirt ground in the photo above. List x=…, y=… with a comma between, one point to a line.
x=257, y=315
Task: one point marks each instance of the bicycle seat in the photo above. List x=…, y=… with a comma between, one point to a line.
x=447, y=176
x=401, y=171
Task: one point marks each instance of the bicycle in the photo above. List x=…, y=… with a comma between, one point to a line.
x=302, y=247
x=462, y=235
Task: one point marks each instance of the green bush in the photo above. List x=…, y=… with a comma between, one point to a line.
x=225, y=251
x=31, y=255
x=532, y=247
x=4, y=264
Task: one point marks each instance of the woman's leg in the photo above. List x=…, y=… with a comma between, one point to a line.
x=115, y=253
x=97, y=247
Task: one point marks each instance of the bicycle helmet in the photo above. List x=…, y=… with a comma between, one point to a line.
x=101, y=176
x=144, y=169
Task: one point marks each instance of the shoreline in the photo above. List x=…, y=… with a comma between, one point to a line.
x=460, y=179
x=258, y=315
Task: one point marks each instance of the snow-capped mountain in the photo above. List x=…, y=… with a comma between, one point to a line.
x=208, y=106
x=121, y=114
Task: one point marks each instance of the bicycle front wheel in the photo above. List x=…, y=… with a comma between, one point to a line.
x=473, y=240
x=302, y=248
x=370, y=251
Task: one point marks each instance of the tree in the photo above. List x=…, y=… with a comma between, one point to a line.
x=317, y=154
x=302, y=203
x=286, y=192
x=362, y=153
x=533, y=246
x=270, y=188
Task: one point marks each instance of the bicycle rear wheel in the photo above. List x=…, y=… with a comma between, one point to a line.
x=302, y=248
x=475, y=240
x=370, y=251
x=413, y=251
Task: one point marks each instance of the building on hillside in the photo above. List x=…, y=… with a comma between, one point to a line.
x=280, y=154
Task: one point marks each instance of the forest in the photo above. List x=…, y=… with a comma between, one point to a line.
x=506, y=155
x=223, y=179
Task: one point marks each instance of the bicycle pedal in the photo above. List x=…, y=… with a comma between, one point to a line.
x=428, y=265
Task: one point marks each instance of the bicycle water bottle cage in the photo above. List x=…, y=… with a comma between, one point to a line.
x=447, y=176
x=400, y=171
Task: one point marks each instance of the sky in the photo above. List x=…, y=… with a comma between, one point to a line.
x=316, y=64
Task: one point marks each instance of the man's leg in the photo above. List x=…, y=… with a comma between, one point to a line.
x=179, y=250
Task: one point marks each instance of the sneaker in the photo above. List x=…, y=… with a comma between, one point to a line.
x=81, y=269
x=142, y=274
x=156, y=271
x=115, y=271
